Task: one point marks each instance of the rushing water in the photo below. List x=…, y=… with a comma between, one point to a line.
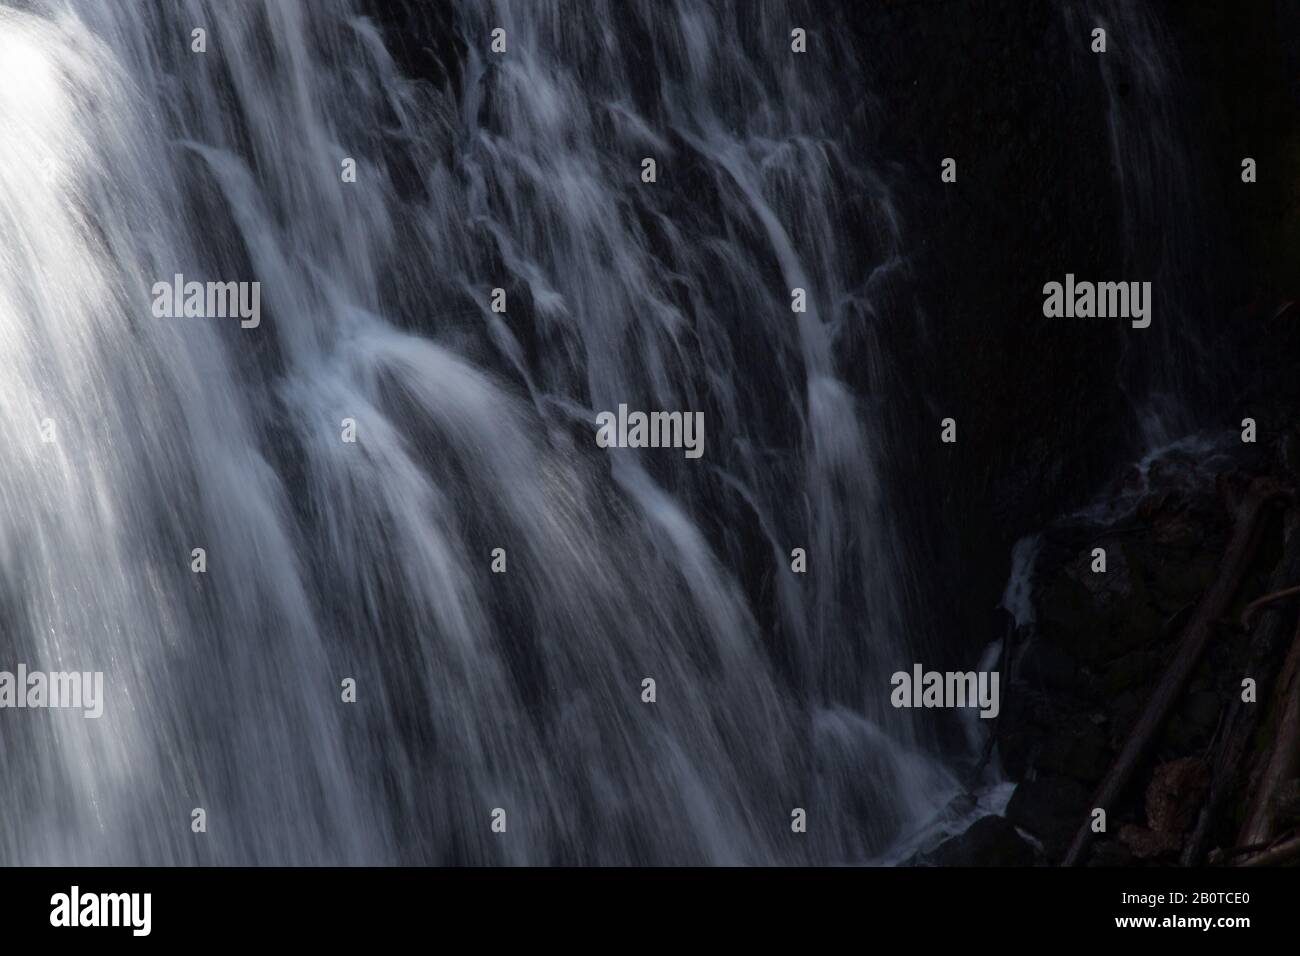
x=129, y=158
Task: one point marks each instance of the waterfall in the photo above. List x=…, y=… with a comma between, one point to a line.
x=130, y=158
x=1167, y=371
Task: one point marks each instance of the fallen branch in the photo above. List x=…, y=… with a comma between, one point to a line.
x=1236, y=732
x=1285, y=757
x=1235, y=561
x=1258, y=603
x=1283, y=852
x=1221, y=856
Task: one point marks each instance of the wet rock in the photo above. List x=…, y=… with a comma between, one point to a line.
x=1106, y=588
x=1286, y=810
x=1098, y=616
x=1152, y=505
x=1050, y=667
x=989, y=841
x=1124, y=711
x=1110, y=853
x=1051, y=808
x=1020, y=730
x=1180, y=530
x=1079, y=752
x=1135, y=669
x=1194, y=721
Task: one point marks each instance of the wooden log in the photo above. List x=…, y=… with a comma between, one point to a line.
x=1276, y=595
x=1288, y=851
x=1260, y=825
x=1236, y=558
x=1236, y=733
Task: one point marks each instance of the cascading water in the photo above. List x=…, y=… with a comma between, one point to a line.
x=129, y=158
x=1166, y=370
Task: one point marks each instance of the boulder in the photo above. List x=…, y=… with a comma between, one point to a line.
x=989, y=841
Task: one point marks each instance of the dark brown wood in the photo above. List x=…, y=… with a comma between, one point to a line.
x=1235, y=737
x=1284, y=760
x=1287, y=851
x=1236, y=558
x=1267, y=599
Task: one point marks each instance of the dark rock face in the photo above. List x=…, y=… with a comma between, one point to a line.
x=1101, y=638
x=1050, y=808
x=989, y=841
x=1101, y=643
